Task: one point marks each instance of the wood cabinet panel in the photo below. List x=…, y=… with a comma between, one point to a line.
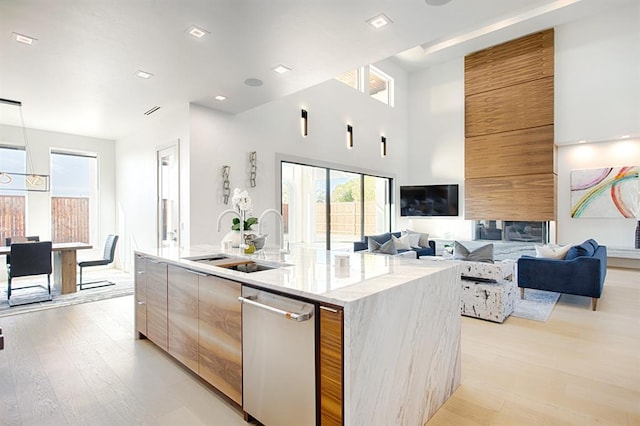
x=518, y=61
x=520, y=152
x=182, y=311
x=157, y=302
x=140, y=299
x=531, y=197
x=331, y=363
x=220, y=335
x=510, y=108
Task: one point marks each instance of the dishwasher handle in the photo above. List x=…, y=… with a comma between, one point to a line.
x=299, y=317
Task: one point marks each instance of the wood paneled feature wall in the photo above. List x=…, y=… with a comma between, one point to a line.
x=510, y=154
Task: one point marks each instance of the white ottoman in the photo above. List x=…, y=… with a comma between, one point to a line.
x=488, y=290
x=488, y=301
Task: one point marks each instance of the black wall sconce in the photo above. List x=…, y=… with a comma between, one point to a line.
x=349, y=136
x=304, y=129
x=383, y=146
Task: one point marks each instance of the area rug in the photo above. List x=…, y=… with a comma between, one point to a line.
x=537, y=305
x=34, y=299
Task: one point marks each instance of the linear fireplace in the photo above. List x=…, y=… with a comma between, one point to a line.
x=511, y=230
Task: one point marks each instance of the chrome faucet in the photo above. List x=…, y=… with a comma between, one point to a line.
x=222, y=214
x=283, y=249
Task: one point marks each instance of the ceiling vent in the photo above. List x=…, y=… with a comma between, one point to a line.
x=152, y=110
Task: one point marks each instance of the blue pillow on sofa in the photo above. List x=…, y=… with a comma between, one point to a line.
x=593, y=243
x=588, y=248
x=375, y=241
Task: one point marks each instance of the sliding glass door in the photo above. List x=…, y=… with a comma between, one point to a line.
x=303, y=194
x=330, y=208
x=345, y=207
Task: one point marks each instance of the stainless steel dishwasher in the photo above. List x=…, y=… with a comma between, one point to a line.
x=278, y=359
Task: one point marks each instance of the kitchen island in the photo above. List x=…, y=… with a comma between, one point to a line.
x=387, y=338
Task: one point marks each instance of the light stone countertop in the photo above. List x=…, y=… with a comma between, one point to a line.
x=308, y=272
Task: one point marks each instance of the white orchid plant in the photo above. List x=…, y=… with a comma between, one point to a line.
x=243, y=204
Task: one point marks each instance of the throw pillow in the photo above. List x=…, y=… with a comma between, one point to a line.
x=481, y=254
x=380, y=238
x=584, y=249
x=373, y=245
x=401, y=243
x=389, y=247
x=414, y=239
x=593, y=243
x=552, y=251
x=423, y=240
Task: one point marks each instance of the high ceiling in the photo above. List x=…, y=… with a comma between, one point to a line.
x=79, y=75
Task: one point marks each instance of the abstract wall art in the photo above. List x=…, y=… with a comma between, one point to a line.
x=610, y=192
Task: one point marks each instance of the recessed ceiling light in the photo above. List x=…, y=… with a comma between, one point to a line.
x=281, y=69
x=144, y=74
x=582, y=141
x=379, y=21
x=437, y=2
x=197, y=32
x=220, y=98
x=253, y=82
x=625, y=136
x=21, y=38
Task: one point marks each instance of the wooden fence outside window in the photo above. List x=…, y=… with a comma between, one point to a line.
x=69, y=218
x=12, y=216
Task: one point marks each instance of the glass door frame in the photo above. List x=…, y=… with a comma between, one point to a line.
x=175, y=178
x=283, y=158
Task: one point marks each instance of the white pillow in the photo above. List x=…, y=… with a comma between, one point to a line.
x=402, y=243
x=483, y=253
x=423, y=239
x=552, y=251
x=414, y=239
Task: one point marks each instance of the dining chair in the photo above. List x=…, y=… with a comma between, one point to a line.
x=28, y=259
x=18, y=239
x=107, y=258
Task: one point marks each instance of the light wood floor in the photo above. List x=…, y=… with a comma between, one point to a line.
x=578, y=368
x=79, y=365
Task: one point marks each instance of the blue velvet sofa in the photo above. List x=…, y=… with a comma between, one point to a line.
x=383, y=238
x=582, y=272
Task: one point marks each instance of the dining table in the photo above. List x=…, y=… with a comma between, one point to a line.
x=64, y=264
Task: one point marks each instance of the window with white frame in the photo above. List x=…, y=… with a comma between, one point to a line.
x=379, y=84
x=12, y=202
x=73, y=197
x=353, y=78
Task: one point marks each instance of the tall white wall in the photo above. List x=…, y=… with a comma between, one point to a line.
x=41, y=143
x=137, y=180
x=597, y=98
x=611, y=232
x=597, y=77
x=218, y=139
x=436, y=141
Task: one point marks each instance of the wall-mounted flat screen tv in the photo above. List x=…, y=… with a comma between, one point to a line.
x=429, y=200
